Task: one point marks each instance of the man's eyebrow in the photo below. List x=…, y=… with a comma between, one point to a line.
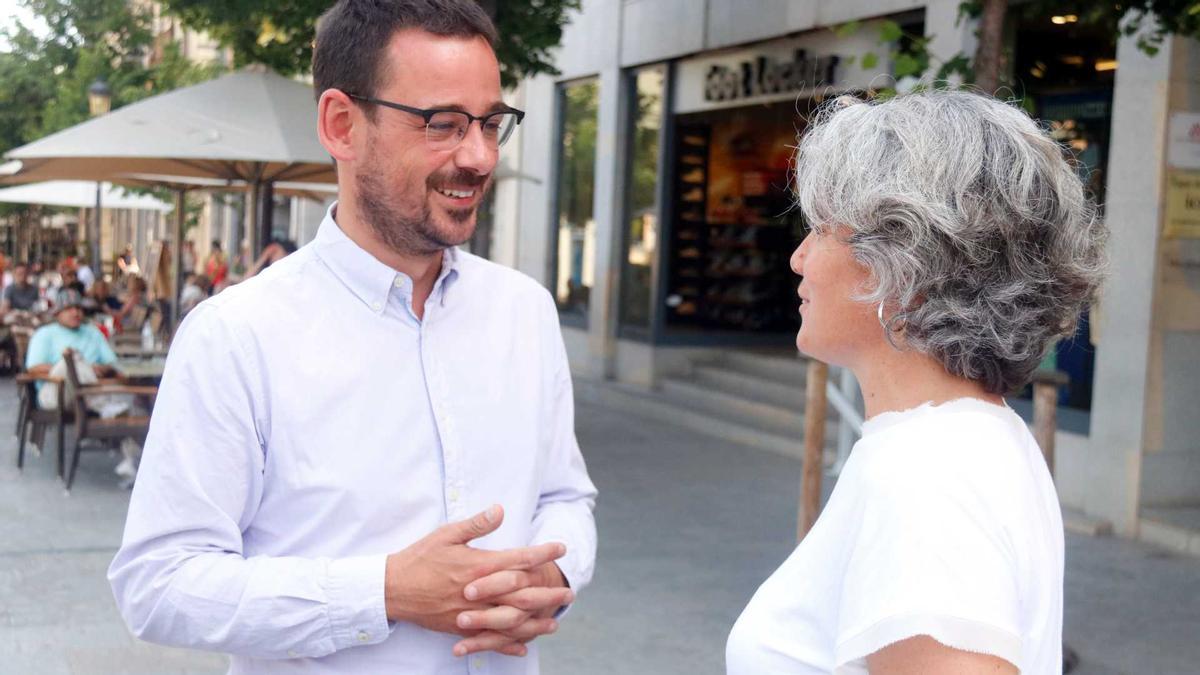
x=498, y=106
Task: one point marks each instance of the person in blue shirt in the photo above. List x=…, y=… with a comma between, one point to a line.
x=69, y=331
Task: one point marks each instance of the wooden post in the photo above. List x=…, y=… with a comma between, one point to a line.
x=814, y=447
x=1045, y=410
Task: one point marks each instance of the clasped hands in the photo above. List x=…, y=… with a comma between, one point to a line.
x=496, y=600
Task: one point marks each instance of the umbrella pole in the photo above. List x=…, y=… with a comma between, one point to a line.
x=251, y=229
x=177, y=256
x=94, y=236
x=267, y=214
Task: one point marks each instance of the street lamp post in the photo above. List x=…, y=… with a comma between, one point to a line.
x=99, y=103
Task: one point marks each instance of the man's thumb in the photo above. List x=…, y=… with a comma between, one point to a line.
x=476, y=526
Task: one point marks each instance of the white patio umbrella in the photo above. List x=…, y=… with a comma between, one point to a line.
x=80, y=194
x=249, y=128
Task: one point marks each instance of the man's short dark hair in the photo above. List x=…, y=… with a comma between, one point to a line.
x=353, y=35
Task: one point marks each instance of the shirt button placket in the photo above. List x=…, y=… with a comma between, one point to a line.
x=453, y=493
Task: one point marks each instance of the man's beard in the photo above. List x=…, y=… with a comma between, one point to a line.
x=406, y=232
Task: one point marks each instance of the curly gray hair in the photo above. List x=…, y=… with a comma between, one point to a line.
x=972, y=222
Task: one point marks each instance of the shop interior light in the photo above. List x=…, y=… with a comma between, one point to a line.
x=1061, y=19
x=1106, y=64
x=1072, y=60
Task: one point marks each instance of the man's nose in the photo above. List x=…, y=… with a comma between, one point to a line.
x=475, y=152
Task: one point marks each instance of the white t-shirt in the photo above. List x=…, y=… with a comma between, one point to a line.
x=944, y=522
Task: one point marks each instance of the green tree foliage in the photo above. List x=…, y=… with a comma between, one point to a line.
x=279, y=33
x=1151, y=20
x=44, y=77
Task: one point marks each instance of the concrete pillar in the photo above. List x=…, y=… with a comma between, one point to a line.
x=950, y=36
x=1171, y=460
x=608, y=210
x=510, y=179
x=1134, y=212
x=535, y=200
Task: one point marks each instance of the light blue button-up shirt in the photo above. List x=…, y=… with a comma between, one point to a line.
x=308, y=424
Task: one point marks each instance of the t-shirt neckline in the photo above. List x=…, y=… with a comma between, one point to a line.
x=891, y=418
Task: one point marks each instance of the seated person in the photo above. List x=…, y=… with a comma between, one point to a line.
x=101, y=300
x=68, y=330
x=194, y=292
x=136, y=307
x=21, y=294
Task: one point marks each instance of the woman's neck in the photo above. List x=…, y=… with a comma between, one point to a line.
x=894, y=380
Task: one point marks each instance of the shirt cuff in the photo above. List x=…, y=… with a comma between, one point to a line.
x=357, y=612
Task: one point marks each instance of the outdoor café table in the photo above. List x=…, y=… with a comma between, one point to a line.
x=142, y=370
x=130, y=352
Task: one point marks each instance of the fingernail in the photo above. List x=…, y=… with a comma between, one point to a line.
x=471, y=592
x=464, y=621
x=569, y=598
x=562, y=549
x=492, y=513
x=553, y=626
x=460, y=650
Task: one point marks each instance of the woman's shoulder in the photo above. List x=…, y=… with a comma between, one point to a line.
x=957, y=449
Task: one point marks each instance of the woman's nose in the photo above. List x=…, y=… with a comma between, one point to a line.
x=797, y=260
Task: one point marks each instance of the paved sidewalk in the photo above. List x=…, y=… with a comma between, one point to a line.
x=688, y=529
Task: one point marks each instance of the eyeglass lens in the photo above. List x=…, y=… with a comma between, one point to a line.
x=447, y=129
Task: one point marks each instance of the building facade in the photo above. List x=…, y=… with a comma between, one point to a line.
x=647, y=189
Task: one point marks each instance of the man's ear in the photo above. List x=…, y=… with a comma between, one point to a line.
x=337, y=117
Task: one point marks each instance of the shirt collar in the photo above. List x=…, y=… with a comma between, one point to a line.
x=368, y=278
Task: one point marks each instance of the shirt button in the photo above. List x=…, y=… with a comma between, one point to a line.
x=477, y=662
x=363, y=636
x=453, y=494
x=292, y=653
x=398, y=282
x=376, y=306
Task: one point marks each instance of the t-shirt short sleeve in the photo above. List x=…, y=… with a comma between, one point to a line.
x=931, y=557
x=40, y=350
x=103, y=353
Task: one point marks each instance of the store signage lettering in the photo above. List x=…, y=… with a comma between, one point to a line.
x=764, y=76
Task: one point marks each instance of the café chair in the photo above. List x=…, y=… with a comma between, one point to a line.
x=88, y=425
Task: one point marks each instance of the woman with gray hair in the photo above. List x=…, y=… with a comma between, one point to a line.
x=951, y=242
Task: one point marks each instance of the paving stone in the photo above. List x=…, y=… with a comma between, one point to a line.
x=689, y=527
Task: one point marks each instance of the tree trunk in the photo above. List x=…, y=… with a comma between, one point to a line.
x=989, y=53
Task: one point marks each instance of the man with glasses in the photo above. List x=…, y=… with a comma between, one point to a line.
x=325, y=430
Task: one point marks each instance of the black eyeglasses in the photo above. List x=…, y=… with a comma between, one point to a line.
x=445, y=129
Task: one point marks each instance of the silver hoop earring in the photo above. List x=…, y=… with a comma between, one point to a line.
x=888, y=331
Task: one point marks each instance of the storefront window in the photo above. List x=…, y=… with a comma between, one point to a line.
x=575, y=225
x=642, y=216
x=733, y=225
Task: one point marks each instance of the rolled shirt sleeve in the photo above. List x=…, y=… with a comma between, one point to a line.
x=181, y=577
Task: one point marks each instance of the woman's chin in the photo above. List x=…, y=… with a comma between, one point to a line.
x=803, y=343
